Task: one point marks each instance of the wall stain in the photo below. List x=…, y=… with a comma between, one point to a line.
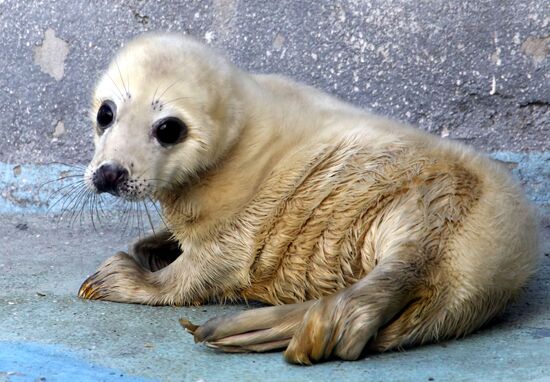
x=50, y=55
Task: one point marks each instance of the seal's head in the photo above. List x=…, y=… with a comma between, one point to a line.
x=166, y=110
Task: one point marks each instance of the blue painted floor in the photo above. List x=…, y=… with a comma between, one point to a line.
x=29, y=362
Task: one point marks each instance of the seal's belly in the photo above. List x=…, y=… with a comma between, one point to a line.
x=311, y=221
x=309, y=240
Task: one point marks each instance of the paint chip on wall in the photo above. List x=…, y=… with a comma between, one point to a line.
x=51, y=55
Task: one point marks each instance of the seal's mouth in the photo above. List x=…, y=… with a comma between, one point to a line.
x=114, y=192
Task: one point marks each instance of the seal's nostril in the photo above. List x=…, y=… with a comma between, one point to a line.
x=109, y=176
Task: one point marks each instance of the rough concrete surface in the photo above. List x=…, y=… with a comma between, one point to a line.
x=471, y=70
x=478, y=71
x=38, y=306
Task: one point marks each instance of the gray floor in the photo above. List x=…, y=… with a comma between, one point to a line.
x=43, y=264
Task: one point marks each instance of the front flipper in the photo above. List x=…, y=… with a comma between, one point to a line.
x=155, y=251
x=120, y=278
x=257, y=330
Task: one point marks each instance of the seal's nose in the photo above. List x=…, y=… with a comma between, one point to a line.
x=108, y=177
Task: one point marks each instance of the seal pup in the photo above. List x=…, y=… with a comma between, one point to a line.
x=366, y=235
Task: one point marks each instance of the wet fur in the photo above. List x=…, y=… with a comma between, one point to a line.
x=282, y=194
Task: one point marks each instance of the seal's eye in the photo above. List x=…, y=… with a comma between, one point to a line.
x=169, y=131
x=106, y=115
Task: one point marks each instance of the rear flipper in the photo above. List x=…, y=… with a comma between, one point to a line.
x=339, y=326
x=257, y=330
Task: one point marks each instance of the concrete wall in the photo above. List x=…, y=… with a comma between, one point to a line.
x=471, y=70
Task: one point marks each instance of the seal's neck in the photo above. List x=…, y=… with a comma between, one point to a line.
x=278, y=119
x=226, y=187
